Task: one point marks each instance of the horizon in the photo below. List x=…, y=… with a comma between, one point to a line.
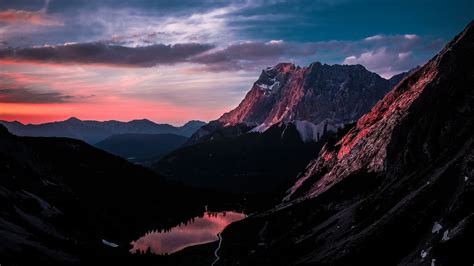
x=176, y=62
x=110, y=120
x=175, y=124
x=242, y=132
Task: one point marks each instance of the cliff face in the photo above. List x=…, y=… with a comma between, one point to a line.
x=304, y=106
x=430, y=107
x=315, y=99
x=397, y=189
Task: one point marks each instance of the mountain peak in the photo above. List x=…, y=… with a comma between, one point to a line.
x=72, y=119
x=142, y=121
x=193, y=123
x=317, y=98
x=284, y=67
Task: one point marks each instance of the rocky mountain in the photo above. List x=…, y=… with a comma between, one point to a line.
x=62, y=199
x=294, y=109
x=95, y=131
x=315, y=98
x=396, y=189
x=141, y=148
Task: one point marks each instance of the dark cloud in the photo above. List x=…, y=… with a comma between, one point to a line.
x=386, y=55
x=250, y=55
x=256, y=51
x=100, y=53
x=25, y=95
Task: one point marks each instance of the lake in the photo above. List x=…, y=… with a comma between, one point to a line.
x=199, y=230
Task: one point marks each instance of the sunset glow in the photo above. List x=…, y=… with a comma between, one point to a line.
x=173, y=62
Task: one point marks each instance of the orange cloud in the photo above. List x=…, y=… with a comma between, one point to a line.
x=13, y=16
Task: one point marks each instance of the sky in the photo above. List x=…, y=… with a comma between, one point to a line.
x=175, y=61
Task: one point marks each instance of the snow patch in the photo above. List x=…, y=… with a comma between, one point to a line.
x=268, y=87
x=274, y=85
x=110, y=244
x=260, y=128
x=436, y=228
x=445, y=236
x=423, y=254
x=313, y=132
x=263, y=86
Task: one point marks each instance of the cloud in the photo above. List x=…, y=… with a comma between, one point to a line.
x=252, y=55
x=215, y=22
x=388, y=55
x=385, y=54
x=383, y=61
x=411, y=36
x=40, y=17
x=374, y=38
x=131, y=27
x=99, y=53
x=25, y=95
x=12, y=16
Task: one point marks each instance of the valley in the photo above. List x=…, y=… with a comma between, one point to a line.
x=317, y=149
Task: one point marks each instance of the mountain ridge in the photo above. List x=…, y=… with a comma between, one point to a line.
x=386, y=114
x=313, y=98
x=324, y=99
x=93, y=131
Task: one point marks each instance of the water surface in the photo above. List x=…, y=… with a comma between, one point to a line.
x=200, y=230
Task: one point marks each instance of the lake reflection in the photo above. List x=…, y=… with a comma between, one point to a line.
x=201, y=230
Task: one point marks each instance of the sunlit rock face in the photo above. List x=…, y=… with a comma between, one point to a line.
x=316, y=98
x=440, y=87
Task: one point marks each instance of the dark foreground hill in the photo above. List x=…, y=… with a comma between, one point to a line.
x=61, y=197
x=141, y=148
x=92, y=131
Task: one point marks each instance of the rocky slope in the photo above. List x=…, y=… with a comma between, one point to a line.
x=290, y=107
x=92, y=131
x=313, y=98
x=366, y=146
x=61, y=197
x=397, y=189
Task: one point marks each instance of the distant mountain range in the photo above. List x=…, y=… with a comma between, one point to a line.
x=92, y=131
